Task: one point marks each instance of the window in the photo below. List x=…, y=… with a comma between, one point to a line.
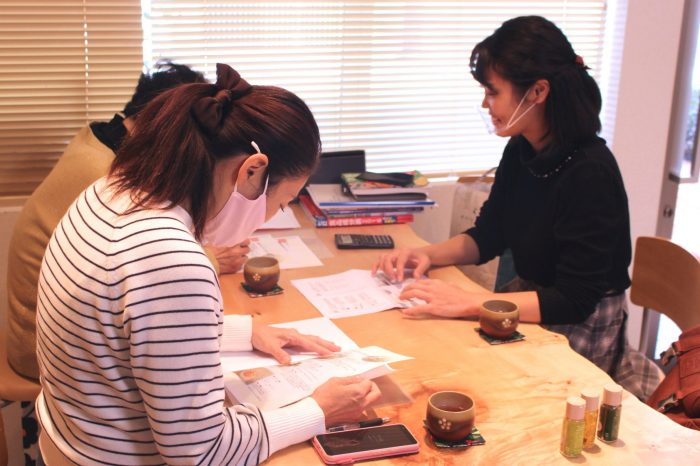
x=62, y=64
x=390, y=77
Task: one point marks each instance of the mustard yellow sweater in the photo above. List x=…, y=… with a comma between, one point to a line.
x=84, y=161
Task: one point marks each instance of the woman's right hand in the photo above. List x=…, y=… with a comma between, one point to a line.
x=396, y=262
x=343, y=399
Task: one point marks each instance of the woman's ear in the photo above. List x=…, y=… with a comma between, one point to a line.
x=251, y=174
x=540, y=90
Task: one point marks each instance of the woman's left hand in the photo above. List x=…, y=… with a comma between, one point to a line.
x=272, y=340
x=442, y=299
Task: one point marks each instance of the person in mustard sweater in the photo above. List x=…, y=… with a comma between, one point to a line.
x=87, y=158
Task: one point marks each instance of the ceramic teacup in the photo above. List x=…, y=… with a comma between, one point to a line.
x=261, y=274
x=450, y=415
x=499, y=318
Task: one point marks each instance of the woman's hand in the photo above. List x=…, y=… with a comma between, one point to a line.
x=343, y=399
x=441, y=299
x=272, y=340
x=231, y=259
x=396, y=262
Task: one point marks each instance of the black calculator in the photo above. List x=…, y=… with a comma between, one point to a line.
x=355, y=241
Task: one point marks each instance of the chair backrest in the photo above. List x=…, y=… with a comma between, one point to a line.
x=13, y=387
x=666, y=278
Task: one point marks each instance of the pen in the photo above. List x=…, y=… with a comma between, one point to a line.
x=358, y=425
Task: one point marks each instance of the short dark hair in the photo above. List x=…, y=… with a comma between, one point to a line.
x=170, y=158
x=528, y=48
x=165, y=74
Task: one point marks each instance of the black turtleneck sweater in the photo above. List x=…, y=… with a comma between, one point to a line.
x=565, y=217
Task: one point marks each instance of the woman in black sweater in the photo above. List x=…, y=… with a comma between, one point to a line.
x=558, y=203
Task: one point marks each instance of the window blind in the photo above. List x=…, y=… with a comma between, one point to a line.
x=62, y=63
x=389, y=77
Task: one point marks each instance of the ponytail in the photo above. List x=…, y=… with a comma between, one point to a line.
x=170, y=156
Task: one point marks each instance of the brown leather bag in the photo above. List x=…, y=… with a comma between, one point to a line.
x=678, y=395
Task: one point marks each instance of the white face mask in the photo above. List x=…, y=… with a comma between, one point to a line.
x=238, y=219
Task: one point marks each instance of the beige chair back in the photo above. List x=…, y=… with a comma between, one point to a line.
x=13, y=387
x=666, y=278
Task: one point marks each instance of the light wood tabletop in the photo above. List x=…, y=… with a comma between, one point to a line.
x=520, y=388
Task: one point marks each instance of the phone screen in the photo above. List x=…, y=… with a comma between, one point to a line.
x=353, y=441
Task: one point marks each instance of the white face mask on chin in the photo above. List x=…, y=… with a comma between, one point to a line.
x=238, y=219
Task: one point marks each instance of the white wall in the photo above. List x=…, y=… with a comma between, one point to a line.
x=647, y=77
x=433, y=225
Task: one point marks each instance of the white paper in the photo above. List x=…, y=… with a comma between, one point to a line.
x=282, y=220
x=290, y=251
x=276, y=386
x=318, y=326
x=352, y=293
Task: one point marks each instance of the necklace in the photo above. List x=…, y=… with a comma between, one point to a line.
x=554, y=170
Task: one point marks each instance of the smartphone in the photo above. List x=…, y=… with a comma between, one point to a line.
x=363, y=444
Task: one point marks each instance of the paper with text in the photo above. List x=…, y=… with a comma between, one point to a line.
x=318, y=326
x=276, y=386
x=352, y=293
x=290, y=251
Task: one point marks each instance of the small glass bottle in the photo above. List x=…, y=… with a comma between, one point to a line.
x=591, y=398
x=610, y=412
x=572, y=428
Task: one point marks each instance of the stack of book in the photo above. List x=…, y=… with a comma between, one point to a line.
x=359, y=202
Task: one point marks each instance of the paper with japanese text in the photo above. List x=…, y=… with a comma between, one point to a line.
x=354, y=292
x=276, y=386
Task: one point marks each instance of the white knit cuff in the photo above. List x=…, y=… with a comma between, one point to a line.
x=238, y=331
x=295, y=423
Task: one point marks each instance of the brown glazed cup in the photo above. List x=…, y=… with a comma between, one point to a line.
x=499, y=318
x=450, y=415
x=261, y=274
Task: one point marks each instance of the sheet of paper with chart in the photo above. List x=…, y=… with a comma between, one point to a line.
x=276, y=386
x=319, y=326
x=290, y=251
x=352, y=293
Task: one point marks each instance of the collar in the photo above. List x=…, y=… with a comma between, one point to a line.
x=550, y=160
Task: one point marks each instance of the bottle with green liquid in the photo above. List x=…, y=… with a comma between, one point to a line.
x=572, y=428
x=610, y=412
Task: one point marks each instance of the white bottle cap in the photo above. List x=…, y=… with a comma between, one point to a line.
x=575, y=408
x=612, y=394
x=591, y=396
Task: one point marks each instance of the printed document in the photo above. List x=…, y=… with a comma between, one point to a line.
x=290, y=251
x=276, y=386
x=354, y=292
x=318, y=326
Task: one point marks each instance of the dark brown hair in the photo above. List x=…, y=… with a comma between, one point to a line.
x=528, y=48
x=170, y=157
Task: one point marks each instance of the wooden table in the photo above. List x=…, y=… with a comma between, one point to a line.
x=519, y=388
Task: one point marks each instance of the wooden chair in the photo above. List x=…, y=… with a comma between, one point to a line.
x=13, y=387
x=666, y=278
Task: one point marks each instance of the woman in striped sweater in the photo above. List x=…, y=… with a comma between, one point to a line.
x=130, y=317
